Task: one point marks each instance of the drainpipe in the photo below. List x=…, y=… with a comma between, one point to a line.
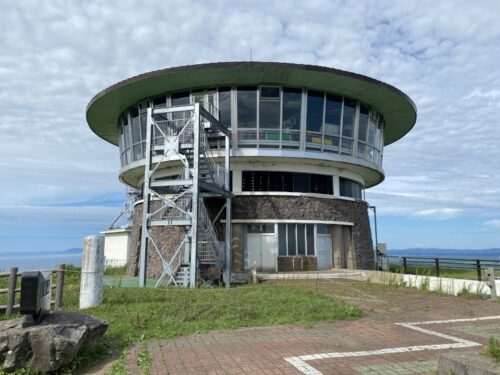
x=376, y=234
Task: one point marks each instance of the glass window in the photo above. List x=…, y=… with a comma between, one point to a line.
x=346, y=146
x=348, y=118
x=269, y=108
x=260, y=228
x=292, y=244
x=126, y=136
x=287, y=181
x=137, y=151
x=381, y=137
x=296, y=239
x=282, y=239
x=159, y=102
x=269, y=92
x=247, y=107
x=280, y=181
x=310, y=239
x=322, y=228
x=225, y=106
x=302, y=182
x=363, y=123
x=144, y=124
x=321, y=184
x=372, y=129
x=301, y=239
x=180, y=98
x=314, y=111
x=332, y=114
x=199, y=97
x=292, y=102
x=350, y=188
x=136, y=130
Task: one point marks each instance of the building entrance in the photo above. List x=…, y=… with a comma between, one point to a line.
x=262, y=247
x=324, y=251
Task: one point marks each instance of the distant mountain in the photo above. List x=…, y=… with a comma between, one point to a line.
x=73, y=250
x=446, y=253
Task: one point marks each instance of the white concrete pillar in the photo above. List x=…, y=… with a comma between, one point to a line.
x=91, y=286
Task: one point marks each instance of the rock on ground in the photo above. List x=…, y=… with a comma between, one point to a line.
x=51, y=344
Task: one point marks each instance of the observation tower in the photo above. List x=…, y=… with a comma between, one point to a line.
x=249, y=165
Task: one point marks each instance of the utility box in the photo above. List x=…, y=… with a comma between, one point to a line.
x=36, y=293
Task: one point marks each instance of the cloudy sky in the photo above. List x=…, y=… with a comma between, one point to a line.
x=58, y=181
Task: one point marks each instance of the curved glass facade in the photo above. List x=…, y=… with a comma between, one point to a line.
x=273, y=117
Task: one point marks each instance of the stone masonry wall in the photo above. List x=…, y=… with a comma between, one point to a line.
x=263, y=207
x=167, y=239
x=312, y=208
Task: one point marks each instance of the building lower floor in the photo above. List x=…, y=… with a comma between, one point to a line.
x=278, y=233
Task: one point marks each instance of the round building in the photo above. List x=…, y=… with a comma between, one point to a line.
x=300, y=143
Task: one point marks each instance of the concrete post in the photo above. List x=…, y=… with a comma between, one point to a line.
x=91, y=286
x=491, y=283
x=254, y=275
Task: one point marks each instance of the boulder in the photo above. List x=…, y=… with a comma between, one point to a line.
x=51, y=344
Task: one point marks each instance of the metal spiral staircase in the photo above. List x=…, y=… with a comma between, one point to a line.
x=182, y=134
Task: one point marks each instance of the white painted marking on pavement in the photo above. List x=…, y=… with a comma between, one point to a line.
x=300, y=364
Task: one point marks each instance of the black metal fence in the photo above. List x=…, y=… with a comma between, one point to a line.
x=438, y=264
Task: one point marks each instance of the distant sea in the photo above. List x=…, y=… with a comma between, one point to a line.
x=493, y=253
x=40, y=260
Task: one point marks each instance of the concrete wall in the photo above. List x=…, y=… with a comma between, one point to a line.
x=432, y=283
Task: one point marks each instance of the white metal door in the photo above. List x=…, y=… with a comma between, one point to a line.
x=324, y=252
x=269, y=249
x=254, y=250
x=262, y=251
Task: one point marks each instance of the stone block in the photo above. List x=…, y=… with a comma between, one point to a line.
x=51, y=344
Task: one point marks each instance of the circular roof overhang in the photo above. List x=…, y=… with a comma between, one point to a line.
x=105, y=108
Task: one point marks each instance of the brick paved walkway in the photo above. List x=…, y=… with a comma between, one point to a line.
x=263, y=350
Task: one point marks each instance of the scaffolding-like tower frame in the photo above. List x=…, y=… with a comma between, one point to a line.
x=180, y=201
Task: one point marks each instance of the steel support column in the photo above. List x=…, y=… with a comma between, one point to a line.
x=145, y=206
x=229, y=229
x=194, y=199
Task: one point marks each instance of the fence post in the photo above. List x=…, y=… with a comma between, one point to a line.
x=404, y=264
x=437, y=267
x=478, y=269
x=11, y=293
x=60, y=286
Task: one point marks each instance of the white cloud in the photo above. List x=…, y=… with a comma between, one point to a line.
x=438, y=213
x=495, y=223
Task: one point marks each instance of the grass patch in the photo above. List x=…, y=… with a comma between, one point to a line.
x=144, y=360
x=431, y=271
x=493, y=349
x=116, y=271
x=137, y=315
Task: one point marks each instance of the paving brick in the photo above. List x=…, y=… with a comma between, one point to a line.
x=262, y=350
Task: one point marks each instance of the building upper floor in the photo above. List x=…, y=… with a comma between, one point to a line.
x=274, y=110
x=270, y=117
